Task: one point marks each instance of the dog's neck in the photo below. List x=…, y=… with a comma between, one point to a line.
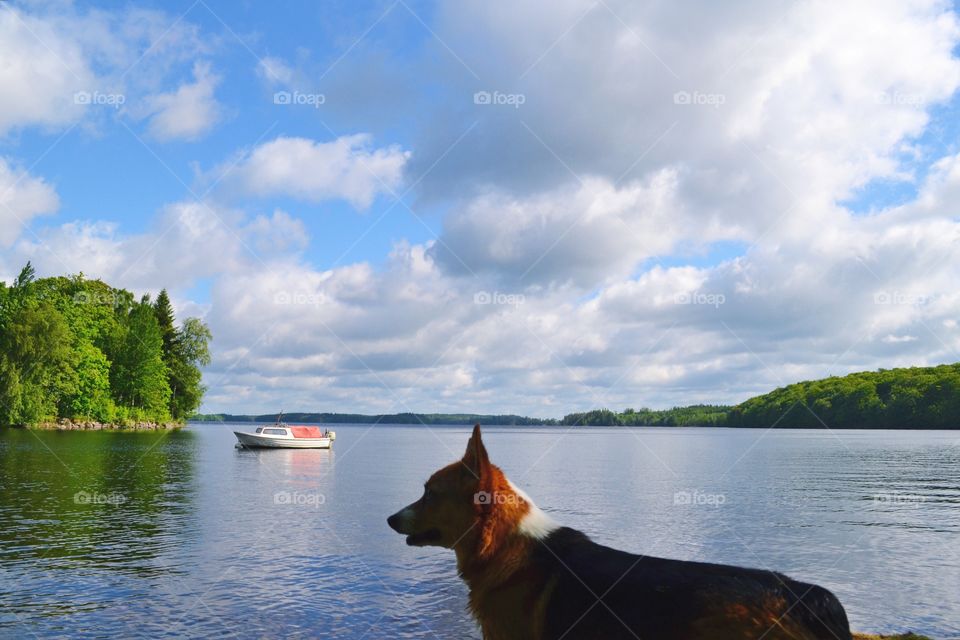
x=495, y=559
x=534, y=524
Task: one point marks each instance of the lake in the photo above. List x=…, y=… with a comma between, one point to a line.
x=182, y=535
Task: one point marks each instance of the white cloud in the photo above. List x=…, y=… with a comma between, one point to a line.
x=59, y=60
x=275, y=70
x=346, y=168
x=43, y=70
x=187, y=113
x=584, y=233
x=187, y=241
x=802, y=118
x=22, y=198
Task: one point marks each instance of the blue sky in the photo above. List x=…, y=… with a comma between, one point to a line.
x=112, y=174
x=403, y=246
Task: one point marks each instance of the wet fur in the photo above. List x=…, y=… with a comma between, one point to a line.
x=532, y=579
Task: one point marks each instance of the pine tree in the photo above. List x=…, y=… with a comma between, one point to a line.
x=164, y=312
x=27, y=275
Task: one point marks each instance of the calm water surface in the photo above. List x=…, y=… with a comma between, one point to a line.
x=181, y=535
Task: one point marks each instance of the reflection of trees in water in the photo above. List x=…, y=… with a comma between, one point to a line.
x=102, y=500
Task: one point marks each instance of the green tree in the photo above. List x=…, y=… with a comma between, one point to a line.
x=164, y=312
x=36, y=362
x=78, y=348
x=138, y=376
x=185, y=350
x=190, y=352
x=92, y=398
x=26, y=277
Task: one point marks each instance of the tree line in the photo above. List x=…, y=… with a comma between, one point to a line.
x=701, y=415
x=386, y=418
x=904, y=398
x=76, y=348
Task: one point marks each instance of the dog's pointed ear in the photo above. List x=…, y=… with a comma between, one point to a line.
x=475, y=459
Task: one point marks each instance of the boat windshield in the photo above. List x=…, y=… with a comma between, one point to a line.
x=259, y=429
x=276, y=432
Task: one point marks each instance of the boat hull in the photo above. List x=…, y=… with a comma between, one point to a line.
x=255, y=440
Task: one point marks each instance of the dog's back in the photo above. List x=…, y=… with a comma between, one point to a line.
x=598, y=592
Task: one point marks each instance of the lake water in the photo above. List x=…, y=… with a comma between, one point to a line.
x=181, y=535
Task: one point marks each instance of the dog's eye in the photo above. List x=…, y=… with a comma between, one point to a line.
x=427, y=494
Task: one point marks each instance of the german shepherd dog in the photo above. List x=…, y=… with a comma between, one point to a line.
x=532, y=579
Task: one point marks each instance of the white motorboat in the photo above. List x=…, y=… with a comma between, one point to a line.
x=283, y=436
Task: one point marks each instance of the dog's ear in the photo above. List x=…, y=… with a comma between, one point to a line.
x=475, y=459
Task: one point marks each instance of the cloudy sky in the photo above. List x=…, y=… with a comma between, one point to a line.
x=526, y=206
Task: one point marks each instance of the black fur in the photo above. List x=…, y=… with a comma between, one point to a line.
x=659, y=599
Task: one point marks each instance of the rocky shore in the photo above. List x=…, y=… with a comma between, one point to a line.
x=64, y=424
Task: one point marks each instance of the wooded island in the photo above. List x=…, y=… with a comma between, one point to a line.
x=79, y=351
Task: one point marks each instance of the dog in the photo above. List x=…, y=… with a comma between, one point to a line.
x=532, y=579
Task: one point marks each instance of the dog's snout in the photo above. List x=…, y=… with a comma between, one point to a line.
x=394, y=522
x=401, y=521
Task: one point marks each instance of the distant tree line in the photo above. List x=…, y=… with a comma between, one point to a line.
x=392, y=418
x=906, y=398
x=909, y=398
x=79, y=349
x=703, y=415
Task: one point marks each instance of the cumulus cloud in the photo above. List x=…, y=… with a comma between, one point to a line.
x=45, y=69
x=187, y=241
x=22, y=197
x=347, y=168
x=764, y=105
x=66, y=66
x=187, y=113
x=586, y=233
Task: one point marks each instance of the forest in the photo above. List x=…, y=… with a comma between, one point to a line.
x=79, y=349
x=386, y=418
x=905, y=398
x=700, y=415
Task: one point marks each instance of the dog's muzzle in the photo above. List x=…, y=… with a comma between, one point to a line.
x=402, y=522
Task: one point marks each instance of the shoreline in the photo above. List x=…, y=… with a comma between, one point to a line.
x=250, y=419
x=64, y=424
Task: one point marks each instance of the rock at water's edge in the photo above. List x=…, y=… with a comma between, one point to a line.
x=64, y=424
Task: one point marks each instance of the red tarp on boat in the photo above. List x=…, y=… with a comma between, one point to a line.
x=306, y=432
